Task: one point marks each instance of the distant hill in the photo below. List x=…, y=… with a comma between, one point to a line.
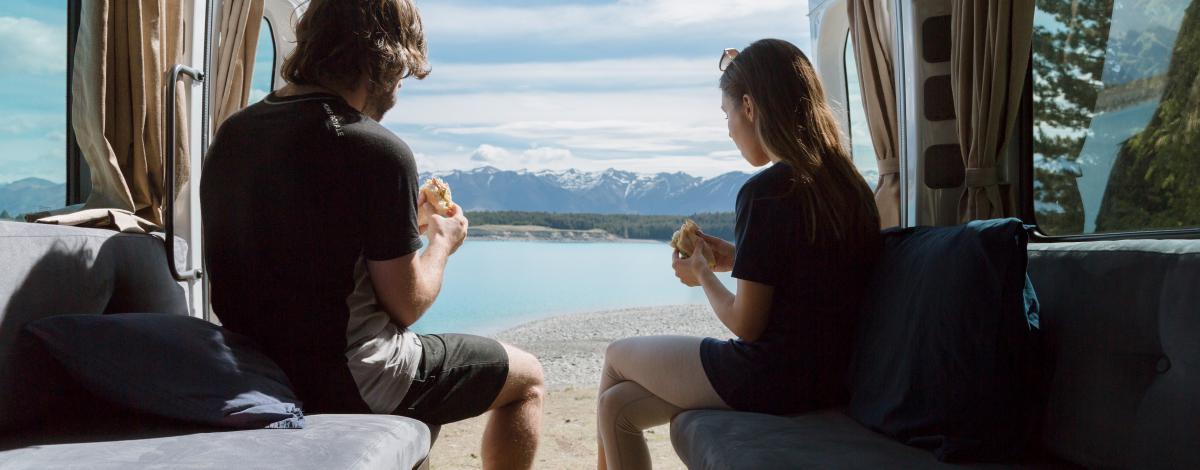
x=491, y=189
x=31, y=195
x=607, y=192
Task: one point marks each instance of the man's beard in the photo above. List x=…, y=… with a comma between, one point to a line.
x=379, y=101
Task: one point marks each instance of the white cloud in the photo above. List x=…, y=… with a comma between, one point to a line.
x=624, y=20
x=658, y=111
x=536, y=157
x=681, y=105
x=640, y=72
x=28, y=46
x=636, y=130
x=617, y=136
x=46, y=124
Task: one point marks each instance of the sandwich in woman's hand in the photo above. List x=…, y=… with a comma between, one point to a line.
x=685, y=240
x=437, y=193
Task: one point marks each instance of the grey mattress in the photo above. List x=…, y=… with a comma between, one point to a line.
x=328, y=442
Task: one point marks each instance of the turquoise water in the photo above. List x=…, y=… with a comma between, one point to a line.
x=494, y=285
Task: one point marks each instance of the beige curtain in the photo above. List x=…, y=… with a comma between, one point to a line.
x=122, y=58
x=236, y=46
x=871, y=31
x=989, y=58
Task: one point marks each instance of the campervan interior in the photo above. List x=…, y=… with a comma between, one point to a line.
x=1079, y=118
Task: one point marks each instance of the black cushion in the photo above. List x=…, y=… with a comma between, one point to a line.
x=947, y=356
x=174, y=366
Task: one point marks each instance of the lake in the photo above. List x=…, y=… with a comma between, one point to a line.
x=491, y=286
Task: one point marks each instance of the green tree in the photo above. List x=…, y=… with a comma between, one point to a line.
x=1068, y=63
x=1155, y=182
x=4, y=215
x=630, y=226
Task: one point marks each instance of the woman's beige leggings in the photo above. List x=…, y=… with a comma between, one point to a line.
x=646, y=382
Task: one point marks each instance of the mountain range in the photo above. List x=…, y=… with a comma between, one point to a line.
x=31, y=195
x=607, y=192
x=492, y=189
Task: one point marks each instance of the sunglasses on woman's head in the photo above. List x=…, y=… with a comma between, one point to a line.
x=727, y=58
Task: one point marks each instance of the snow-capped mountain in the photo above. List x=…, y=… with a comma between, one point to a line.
x=607, y=192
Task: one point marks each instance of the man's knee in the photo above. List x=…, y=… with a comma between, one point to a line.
x=526, y=380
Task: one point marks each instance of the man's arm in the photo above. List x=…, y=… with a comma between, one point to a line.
x=407, y=286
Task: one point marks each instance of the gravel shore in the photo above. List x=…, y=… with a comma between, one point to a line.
x=571, y=347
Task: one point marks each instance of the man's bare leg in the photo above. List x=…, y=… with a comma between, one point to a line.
x=511, y=437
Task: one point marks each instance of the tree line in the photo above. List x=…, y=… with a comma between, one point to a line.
x=630, y=226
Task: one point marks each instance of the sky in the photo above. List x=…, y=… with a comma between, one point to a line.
x=590, y=85
x=517, y=84
x=33, y=67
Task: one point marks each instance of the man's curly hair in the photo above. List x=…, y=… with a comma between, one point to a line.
x=340, y=41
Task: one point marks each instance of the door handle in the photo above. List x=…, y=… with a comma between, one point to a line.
x=169, y=184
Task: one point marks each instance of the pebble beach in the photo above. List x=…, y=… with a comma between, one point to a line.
x=571, y=349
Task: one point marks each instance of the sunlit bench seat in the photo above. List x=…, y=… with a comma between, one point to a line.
x=1122, y=325
x=327, y=442
x=47, y=421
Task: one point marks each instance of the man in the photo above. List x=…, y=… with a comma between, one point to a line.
x=310, y=224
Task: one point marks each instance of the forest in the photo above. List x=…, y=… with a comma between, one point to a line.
x=630, y=226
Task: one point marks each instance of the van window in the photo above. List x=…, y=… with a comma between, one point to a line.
x=262, y=78
x=1115, y=115
x=861, y=146
x=33, y=104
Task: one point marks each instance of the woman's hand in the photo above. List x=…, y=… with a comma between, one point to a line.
x=721, y=250
x=689, y=270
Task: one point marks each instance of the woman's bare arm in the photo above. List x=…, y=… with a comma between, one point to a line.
x=744, y=313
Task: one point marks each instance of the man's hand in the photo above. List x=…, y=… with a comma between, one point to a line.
x=721, y=250
x=450, y=230
x=690, y=270
x=423, y=212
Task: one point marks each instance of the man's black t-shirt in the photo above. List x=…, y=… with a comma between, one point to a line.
x=296, y=192
x=800, y=361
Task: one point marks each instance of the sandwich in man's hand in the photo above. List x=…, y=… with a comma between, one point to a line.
x=437, y=193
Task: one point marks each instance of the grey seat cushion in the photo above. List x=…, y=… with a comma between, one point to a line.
x=353, y=442
x=711, y=439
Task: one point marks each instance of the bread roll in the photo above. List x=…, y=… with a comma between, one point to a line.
x=437, y=192
x=685, y=240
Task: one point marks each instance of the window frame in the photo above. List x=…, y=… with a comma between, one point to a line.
x=79, y=177
x=846, y=86
x=1027, y=213
x=274, y=53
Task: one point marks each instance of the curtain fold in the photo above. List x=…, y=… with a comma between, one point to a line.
x=871, y=31
x=990, y=50
x=123, y=53
x=241, y=21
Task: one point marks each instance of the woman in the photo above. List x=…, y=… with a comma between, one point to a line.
x=807, y=236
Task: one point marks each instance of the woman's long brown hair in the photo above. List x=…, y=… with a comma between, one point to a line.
x=796, y=124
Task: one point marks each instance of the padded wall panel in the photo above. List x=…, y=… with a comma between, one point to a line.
x=1122, y=321
x=50, y=270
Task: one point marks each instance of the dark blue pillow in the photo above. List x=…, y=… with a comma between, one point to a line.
x=174, y=366
x=948, y=355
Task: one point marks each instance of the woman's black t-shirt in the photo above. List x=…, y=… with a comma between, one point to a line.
x=800, y=361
